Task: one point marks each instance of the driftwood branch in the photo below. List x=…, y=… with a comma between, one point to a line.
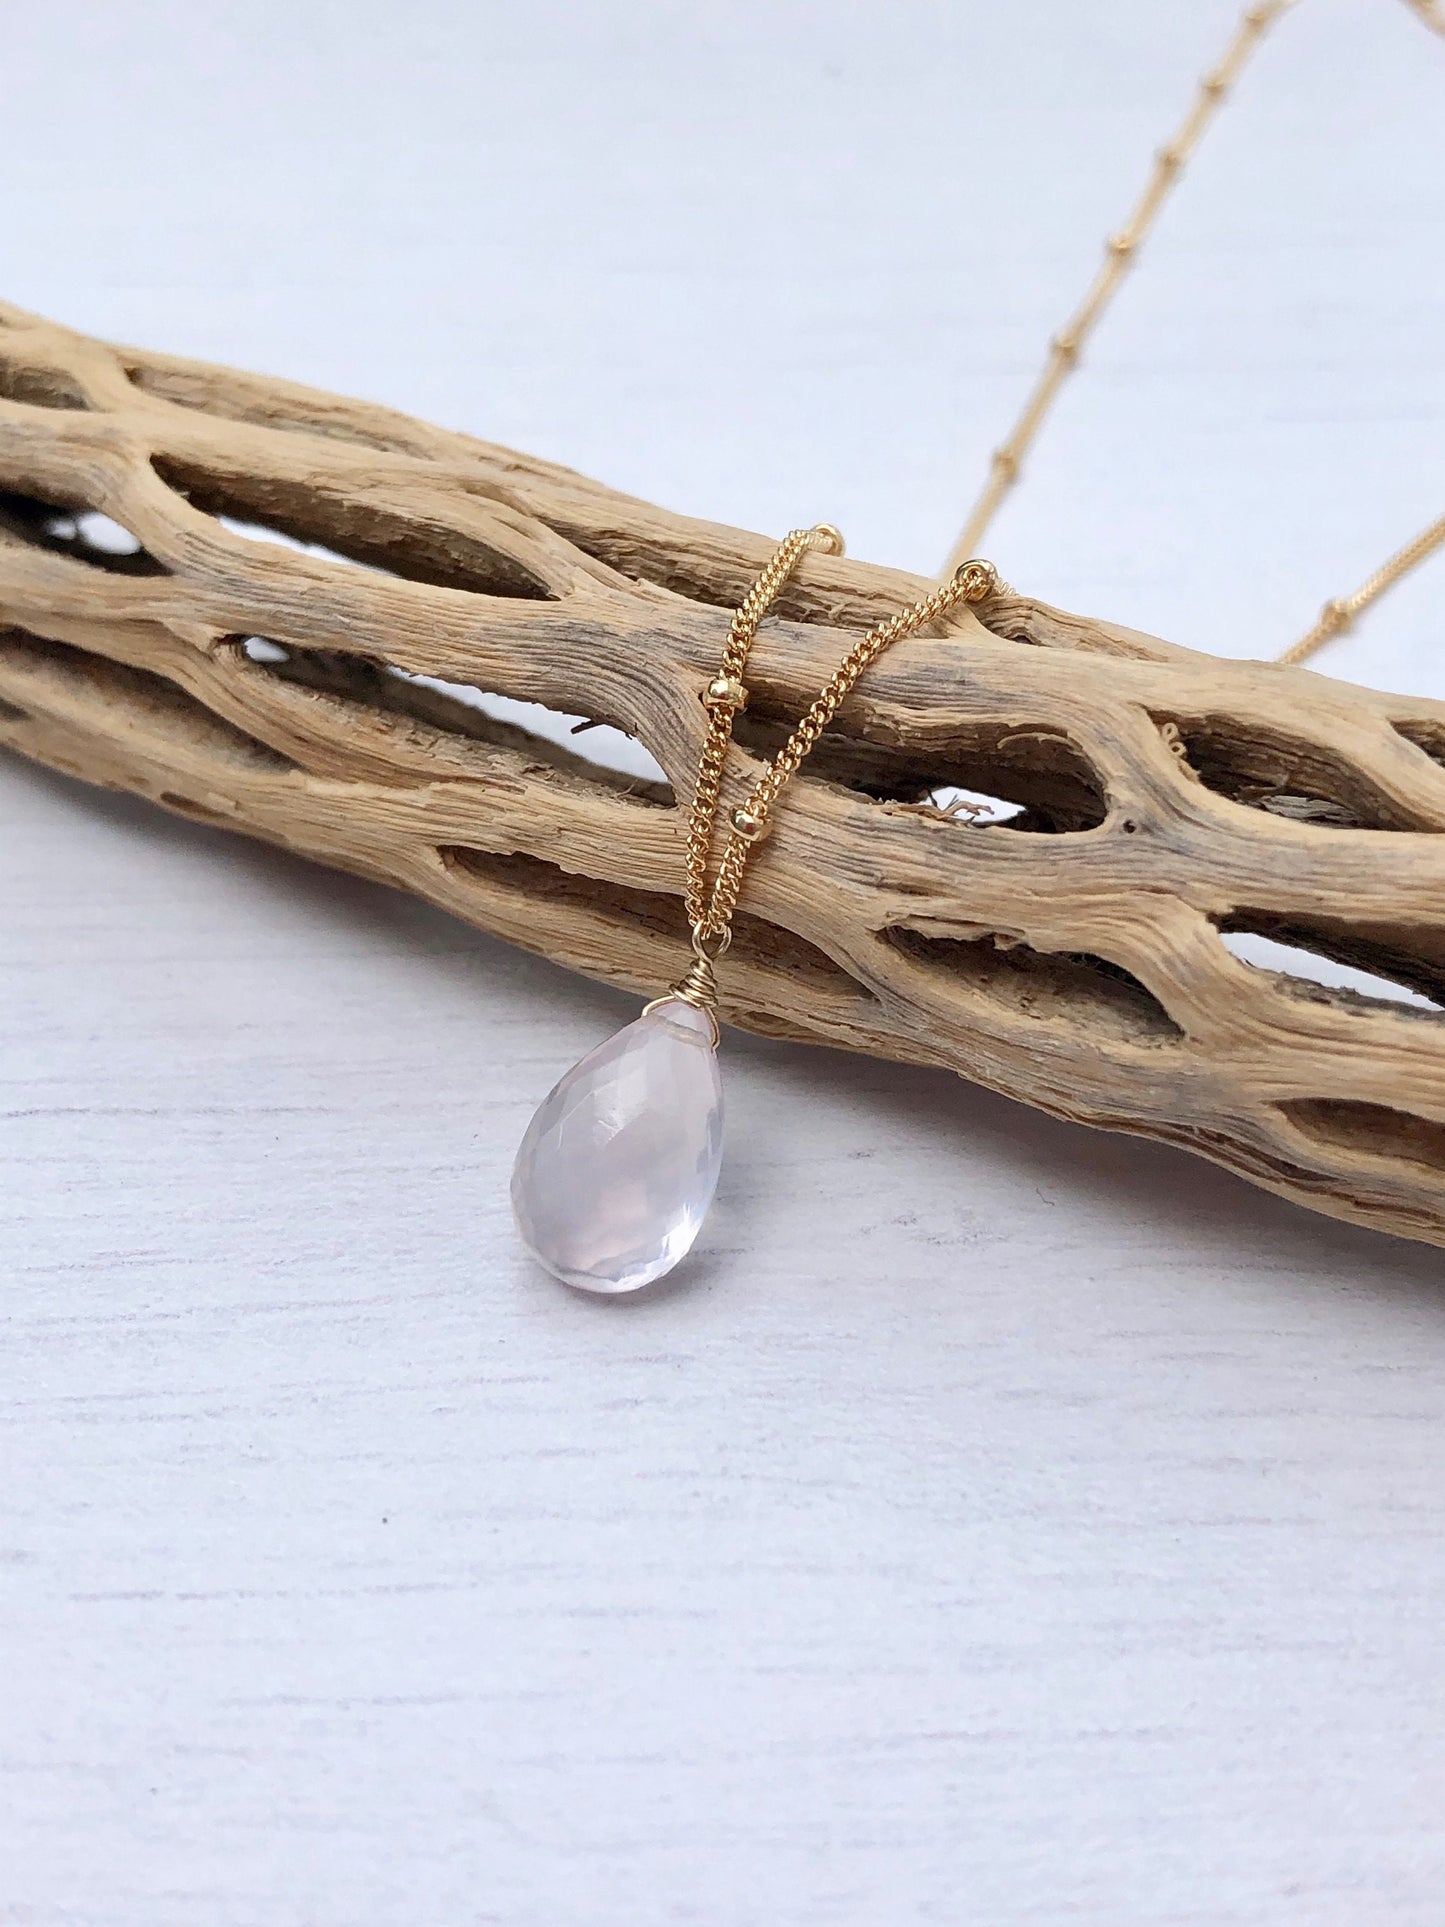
x=1073, y=956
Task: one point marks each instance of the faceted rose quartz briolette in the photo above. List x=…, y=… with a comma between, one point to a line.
x=618, y=1167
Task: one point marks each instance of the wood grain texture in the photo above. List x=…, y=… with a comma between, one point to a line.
x=1073, y=956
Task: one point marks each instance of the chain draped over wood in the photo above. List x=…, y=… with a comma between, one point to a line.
x=710, y=912
x=1153, y=809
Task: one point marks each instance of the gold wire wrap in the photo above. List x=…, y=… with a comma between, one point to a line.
x=698, y=984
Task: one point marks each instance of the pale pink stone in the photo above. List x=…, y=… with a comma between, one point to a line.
x=618, y=1167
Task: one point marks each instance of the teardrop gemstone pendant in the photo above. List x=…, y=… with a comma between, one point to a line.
x=618, y=1167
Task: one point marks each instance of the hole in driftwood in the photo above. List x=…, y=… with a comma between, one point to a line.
x=1326, y=961
x=1064, y=987
x=602, y=745
x=970, y=807
x=262, y=649
x=266, y=508
x=989, y=775
x=39, y=387
x=650, y=912
x=1425, y=735
x=96, y=534
x=12, y=712
x=578, y=746
x=1376, y=1129
x=1287, y=776
x=84, y=534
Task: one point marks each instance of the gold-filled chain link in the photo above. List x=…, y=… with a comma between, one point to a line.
x=725, y=696
x=1342, y=613
x=1121, y=250
x=710, y=907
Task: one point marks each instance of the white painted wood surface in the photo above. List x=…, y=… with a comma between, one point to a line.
x=1001, y=1523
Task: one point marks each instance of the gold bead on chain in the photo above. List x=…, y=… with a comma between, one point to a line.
x=712, y=898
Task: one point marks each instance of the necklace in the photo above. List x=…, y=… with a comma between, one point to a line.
x=618, y=1167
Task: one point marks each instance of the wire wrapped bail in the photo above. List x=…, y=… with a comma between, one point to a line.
x=698, y=983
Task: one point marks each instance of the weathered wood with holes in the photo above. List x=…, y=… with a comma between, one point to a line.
x=1071, y=957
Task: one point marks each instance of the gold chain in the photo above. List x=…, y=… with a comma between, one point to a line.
x=1341, y=614
x=725, y=695
x=712, y=899
x=711, y=904
x=1121, y=251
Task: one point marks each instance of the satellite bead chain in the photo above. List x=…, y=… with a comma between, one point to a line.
x=710, y=907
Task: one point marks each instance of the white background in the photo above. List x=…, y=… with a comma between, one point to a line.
x=1000, y=1523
